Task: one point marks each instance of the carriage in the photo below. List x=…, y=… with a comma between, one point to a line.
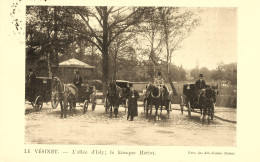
x=160, y=99
x=40, y=91
x=204, y=99
x=124, y=85
x=87, y=95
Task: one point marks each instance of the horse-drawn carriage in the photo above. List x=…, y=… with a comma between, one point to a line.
x=116, y=96
x=40, y=91
x=204, y=100
x=158, y=96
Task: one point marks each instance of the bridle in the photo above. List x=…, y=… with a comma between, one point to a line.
x=153, y=87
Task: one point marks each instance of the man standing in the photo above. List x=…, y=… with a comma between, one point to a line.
x=30, y=78
x=132, y=102
x=30, y=82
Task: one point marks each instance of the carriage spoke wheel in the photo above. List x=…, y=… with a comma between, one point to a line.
x=189, y=109
x=181, y=104
x=54, y=100
x=169, y=109
x=85, y=106
x=38, y=103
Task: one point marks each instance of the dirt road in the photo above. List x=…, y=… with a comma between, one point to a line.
x=97, y=128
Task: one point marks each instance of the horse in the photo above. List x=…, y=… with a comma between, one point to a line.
x=114, y=96
x=67, y=94
x=154, y=98
x=208, y=101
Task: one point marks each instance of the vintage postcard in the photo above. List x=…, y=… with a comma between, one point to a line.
x=117, y=80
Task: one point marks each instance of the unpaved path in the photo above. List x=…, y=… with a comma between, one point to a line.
x=97, y=128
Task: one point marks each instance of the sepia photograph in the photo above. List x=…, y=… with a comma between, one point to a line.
x=165, y=75
x=146, y=81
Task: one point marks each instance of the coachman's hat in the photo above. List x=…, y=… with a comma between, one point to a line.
x=159, y=73
x=201, y=75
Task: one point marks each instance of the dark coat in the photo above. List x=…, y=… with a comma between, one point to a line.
x=200, y=84
x=77, y=81
x=30, y=79
x=132, y=100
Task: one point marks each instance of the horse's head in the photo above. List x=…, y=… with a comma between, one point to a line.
x=150, y=87
x=112, y=88
x=57, y=84
x=211, y=92
x=155, y=92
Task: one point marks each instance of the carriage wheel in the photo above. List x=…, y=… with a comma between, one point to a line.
x=54, y=100
x=32, y=103
x=169, y=109
x=85, y=106
x=181, y=104
x=189, y=109
x=38, y=103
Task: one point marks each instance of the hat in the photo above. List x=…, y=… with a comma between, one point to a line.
x=201, y=75
x=159, y=73
x=77, y=72
x=30, y=70
x=130, y=84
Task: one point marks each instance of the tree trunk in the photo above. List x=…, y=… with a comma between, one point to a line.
x=105, y=58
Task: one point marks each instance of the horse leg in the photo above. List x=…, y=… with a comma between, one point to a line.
x=61, y=109
x=65, y=109
x=111, y=107
x=116, y=110
x=129, y=109
x=70, y=104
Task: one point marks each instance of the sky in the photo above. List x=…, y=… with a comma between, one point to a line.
x=214, y=41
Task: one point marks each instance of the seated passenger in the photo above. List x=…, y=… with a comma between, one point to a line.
x=160, y=83
x=77, y=80
x=159, y=80
x=200, y=85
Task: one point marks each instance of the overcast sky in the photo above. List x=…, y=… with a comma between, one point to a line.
x=215, y=40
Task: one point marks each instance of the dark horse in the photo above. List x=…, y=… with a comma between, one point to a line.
x=154, y=98
x=207, y=103
x=114, y=97
x=67, y=94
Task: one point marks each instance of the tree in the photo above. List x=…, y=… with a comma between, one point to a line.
x=49, y=34
x=110, y=23
x=177, y=23
x=150, y=30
